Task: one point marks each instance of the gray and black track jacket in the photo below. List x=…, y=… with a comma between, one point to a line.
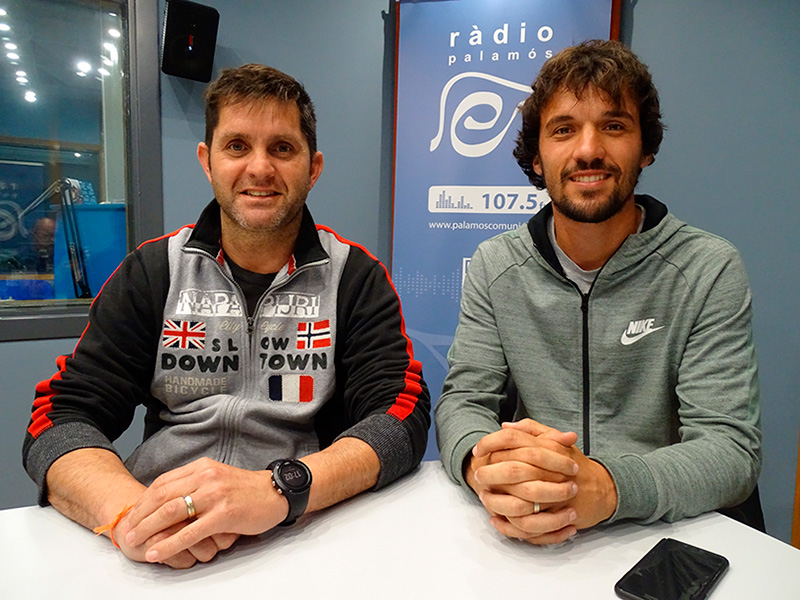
x=654, y=367
x=325, y=355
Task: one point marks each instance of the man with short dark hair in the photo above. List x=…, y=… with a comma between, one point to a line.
x=625, y=332
x=254, y=339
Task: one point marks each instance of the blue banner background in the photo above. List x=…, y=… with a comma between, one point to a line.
x=463, y=67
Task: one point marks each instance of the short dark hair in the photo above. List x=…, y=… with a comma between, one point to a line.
x=259, y=82
x=607, y=66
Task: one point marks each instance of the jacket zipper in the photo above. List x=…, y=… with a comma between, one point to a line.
x=584, y=342
x=250, y=359
x=586, y=394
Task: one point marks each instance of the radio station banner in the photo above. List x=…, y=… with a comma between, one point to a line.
x=463, y=68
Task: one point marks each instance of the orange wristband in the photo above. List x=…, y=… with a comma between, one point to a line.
x=110, y=526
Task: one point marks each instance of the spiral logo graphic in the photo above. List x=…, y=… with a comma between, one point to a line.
x=472, y=100
x=9, y=214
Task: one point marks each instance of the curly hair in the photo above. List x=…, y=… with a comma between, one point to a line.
x=259, y=82
x=607, y=66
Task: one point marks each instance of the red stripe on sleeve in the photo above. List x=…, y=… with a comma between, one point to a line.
x=43, y=403
x=406, y=401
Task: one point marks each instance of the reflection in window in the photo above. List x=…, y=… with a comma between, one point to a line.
x=63, y=183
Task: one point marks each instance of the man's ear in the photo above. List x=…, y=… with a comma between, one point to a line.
x=647, y=160
x=537, y=166
x=317, y=162
x=203, y=157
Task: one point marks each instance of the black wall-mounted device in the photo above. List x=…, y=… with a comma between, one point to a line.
x=189, y=40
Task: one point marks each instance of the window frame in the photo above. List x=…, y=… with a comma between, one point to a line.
x=144, y=208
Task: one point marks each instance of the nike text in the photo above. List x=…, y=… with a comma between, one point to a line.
x=637, y=330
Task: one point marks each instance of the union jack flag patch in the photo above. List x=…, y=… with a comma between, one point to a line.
x=314, y=335
x=184, y=334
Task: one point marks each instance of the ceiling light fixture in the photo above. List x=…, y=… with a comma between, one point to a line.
x=30, y=96
x=13, y=55
x=114, y=33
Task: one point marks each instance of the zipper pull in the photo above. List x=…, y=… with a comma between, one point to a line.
x=585, y=303
x=250, y=324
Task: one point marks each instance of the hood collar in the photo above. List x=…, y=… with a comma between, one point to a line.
x=655, y=212
x=207, y=233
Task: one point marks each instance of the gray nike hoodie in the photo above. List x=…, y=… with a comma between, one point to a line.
x=654, y=367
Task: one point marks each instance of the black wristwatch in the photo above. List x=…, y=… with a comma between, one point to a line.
x=291, y=478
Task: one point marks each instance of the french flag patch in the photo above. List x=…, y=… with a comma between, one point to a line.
x=291, y=388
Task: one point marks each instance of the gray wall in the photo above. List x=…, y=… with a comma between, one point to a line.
x=729, y=80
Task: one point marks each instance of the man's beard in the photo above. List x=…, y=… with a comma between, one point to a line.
x=584, y=210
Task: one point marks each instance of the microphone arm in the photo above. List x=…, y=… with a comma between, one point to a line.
x=68, y=189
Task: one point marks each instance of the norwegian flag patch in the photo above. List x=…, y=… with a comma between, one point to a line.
x=313, y=335
x=184, y=334
x=291, y=388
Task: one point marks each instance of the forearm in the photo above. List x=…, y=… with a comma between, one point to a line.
x=476, y=386
x=682, y=480
x=347, y=467
x=467, y=411
x=384, y=397
x=91, y=486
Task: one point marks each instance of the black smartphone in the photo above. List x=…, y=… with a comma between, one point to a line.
x=672, y=570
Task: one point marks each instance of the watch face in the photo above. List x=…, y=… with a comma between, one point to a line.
x=295, y=477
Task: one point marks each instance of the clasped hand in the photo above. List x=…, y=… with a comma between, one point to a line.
x=228, y=501
x=537, y=485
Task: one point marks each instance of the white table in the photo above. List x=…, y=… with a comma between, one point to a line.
x=422, y=537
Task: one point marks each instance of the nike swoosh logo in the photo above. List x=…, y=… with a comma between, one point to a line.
x=632, y=339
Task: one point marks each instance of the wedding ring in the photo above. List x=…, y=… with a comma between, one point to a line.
x=190, y=506
x=536, y=508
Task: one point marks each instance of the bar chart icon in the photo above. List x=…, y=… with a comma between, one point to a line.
x=445, y=202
